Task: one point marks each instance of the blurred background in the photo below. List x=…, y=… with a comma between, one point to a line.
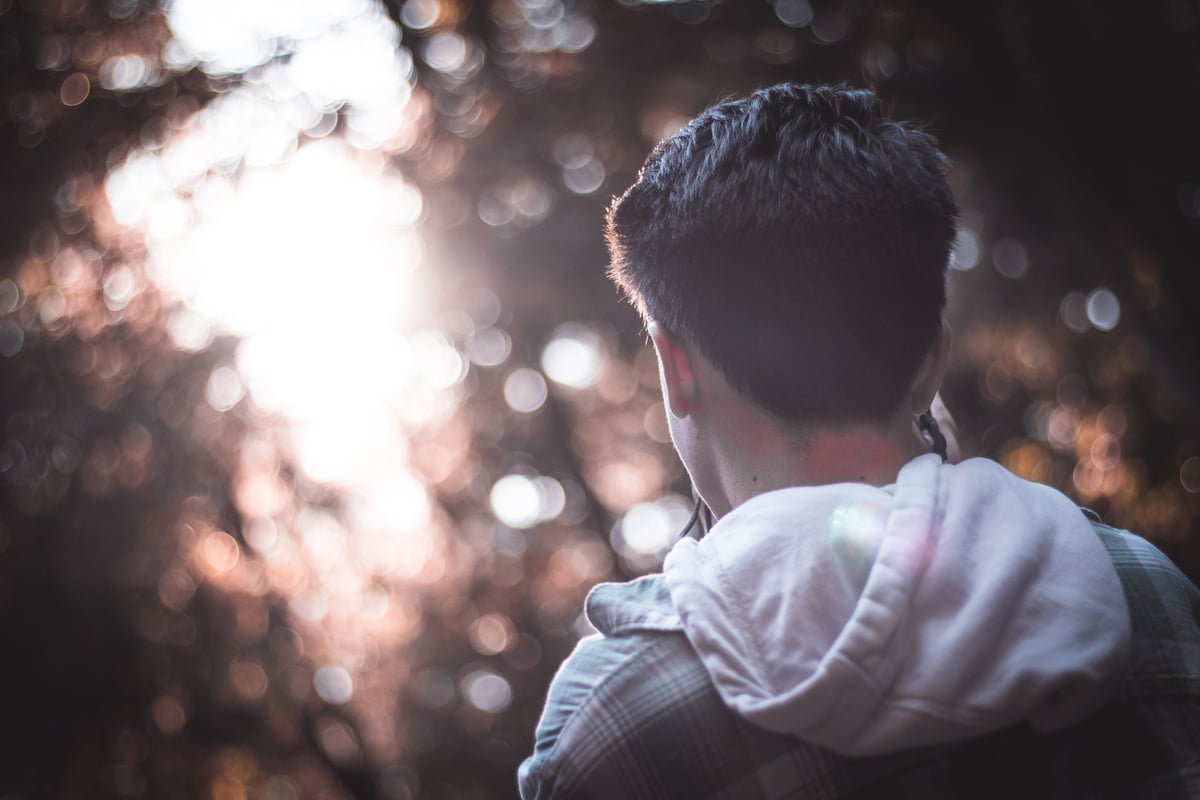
x=319, y=417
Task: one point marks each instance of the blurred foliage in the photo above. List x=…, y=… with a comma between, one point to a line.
x=186, y=612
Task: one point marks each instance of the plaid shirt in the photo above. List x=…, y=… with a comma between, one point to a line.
x=633, y=714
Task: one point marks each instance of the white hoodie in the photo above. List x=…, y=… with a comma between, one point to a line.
x=955, y=602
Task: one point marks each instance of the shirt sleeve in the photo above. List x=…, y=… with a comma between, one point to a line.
x=570, y=742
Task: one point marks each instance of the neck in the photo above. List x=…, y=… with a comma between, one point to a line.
x=786, y=457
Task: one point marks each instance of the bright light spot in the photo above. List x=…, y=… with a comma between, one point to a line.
x=491, y=634
x=1061, y=425
x=311, y=604
x=523, y=202
x=525, y=390
x=75, y=89
x=445, y=52
x=133, y=186
x=573, y=35
x=489, y=347
x=220, y=551
x=340, y=53
x=263, y=535
x=522, y=502
x=436, y=361
x=646, y=528
x=168, y=218
x=585, y=178
x=1073, y=311
x=122, y=73
x=966, y=250
x=320, y=534
x=552, y=499
x=359, y=62
x=794, y=13
x=119, y=288
x=1105, y=451
x=10, y=296
x=313, y=264
x=572, y=150
x=52, y=305
x=178, y=57
x=542, y=14
x=233, y=35
x=573, y=357
x=310, y=262
x=304, y=251
x=420, y=14
x=70, y=267
x=334, y=685
x=224, y=389
x=189, y=330
x=516, y=501
x=393, y=501
x=1103, y=309
x=1010, y=259
x=487, y=691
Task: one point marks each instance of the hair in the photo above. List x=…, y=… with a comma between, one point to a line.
x=799, y=239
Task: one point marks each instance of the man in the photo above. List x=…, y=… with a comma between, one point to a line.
x=864, y=619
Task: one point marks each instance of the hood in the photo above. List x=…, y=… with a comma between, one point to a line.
x=960, y=600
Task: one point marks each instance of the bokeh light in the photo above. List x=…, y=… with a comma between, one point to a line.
x=334, y=685
x=525, y=390
x=487, y=691
x=573, y=357
x=320, y=416
x=647, y=530
x=1103, y=309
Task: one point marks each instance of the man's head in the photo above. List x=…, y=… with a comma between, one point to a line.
x=798, y=239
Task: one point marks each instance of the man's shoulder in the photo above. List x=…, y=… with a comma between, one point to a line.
x=1164, y=608
x=1137, y=556
x=637, y=632
x=1163, y=602
x=1146, y=736
x=634, y=713
x=615, y=684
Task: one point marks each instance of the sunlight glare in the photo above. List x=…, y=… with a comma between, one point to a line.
x=313, y=265
x=231, y=36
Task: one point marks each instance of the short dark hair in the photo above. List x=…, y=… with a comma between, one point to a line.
x=799, y=239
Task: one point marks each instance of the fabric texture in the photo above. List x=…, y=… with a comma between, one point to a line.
x=635, y=712
x=957, y=601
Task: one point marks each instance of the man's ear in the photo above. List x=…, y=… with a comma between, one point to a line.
x=929, y=376
x=675, y=370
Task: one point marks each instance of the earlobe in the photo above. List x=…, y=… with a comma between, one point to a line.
x=675, y=370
